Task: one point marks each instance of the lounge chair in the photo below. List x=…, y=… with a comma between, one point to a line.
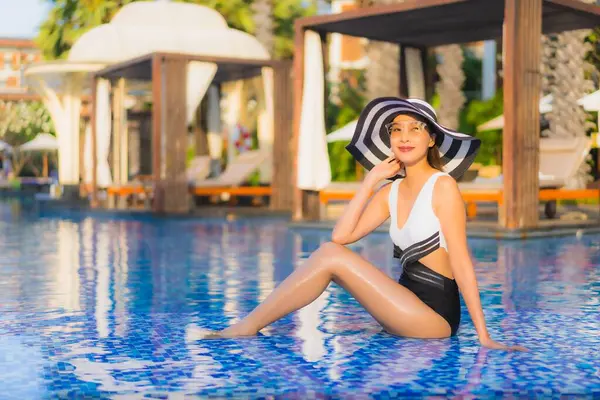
x=198, y=169
x=231, y=181
x=560, y=159
x=142, y=187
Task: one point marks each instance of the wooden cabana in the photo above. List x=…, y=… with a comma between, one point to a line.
x=167, y=72
x=424, y=24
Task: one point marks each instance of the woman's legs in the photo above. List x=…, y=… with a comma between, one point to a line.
x=395, y=307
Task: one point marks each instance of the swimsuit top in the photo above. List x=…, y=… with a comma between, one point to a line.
x=421, y=233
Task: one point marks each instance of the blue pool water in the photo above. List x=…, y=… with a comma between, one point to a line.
x=108, y=306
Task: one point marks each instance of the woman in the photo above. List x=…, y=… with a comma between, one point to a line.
x=427, y=227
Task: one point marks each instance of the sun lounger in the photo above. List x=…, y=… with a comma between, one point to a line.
x=142, y=187
x=560, y=159
x=231, y=181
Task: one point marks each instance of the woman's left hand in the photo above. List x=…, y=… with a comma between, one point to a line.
x=491, y=344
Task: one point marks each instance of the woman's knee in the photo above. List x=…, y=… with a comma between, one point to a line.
x=331, y=254
x=331, y=249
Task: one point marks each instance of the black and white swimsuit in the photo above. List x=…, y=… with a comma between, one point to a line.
x=421, y=235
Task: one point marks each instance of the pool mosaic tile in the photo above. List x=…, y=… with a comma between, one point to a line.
x=109, y=307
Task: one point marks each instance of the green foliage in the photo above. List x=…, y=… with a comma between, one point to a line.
x=352, y=99
x=475, y=114
x=472, y=67
x=237, y=12
x=69, y=19
x=21, y=122
x=285, y=12
x=593, y=56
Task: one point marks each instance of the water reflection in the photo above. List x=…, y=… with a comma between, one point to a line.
x=115, y=305
x=66, y=284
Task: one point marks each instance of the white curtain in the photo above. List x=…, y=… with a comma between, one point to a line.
x=314, y=171
x=65, y=113
x=414, y=73
x=214, y=131
x=265, y=125
x=103, y=134
x=232, y=116
x=199, y=77
x=87, y=155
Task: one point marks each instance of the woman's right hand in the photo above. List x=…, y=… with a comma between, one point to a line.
x=492, y=344
x=384, y=170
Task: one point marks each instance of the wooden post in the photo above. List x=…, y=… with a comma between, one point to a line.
x=123, y=134
x=93, y=102
x=117, y=132
x=172, y=133
x=45, y=164
x=298, y=84
x=521, y=44
x=283, y=187
x=158, y=203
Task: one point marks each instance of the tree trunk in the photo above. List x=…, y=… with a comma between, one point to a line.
x=263, y=21
x=449, y=87
x=382, y=75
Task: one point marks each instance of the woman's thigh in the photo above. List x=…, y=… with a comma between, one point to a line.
x=395, y=307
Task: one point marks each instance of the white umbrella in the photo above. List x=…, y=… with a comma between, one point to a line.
x=42, y=142
x=590, y=102
x=344, y=133
x=498, y=122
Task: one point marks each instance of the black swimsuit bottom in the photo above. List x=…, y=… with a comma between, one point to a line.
x=437, y=291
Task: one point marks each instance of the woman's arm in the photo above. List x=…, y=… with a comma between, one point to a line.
x=358, y=220
x=450, y=209
x=363, y=214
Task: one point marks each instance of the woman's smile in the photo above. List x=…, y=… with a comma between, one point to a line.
x=405, y=149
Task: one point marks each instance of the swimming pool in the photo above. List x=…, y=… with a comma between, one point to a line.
x=112, y=306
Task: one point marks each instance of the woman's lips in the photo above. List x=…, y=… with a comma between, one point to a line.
x=405, y=149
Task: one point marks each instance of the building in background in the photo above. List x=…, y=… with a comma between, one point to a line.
x=15, y=55
x=345, y=52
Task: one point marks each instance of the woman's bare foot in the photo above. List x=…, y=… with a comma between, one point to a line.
x=235, y=330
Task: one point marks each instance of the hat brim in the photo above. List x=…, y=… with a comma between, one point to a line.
x=370, y=143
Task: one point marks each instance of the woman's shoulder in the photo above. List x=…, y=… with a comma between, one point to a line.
x=445, y=182
x=446, y=191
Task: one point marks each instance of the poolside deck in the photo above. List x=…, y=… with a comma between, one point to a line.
x=486, y=226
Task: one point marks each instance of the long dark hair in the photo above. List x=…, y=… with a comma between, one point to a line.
x=433, y=158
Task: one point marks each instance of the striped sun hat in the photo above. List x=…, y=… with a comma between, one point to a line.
x=371, y=142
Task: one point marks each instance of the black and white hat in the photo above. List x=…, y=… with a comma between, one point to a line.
x=371, y=142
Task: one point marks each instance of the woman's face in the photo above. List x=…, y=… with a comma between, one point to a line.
x=409, y=139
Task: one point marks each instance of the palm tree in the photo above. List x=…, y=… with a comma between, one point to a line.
x=382, y=74
x=264, y=25
x=69, y=19
x=564, y=69
x=449, y=87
